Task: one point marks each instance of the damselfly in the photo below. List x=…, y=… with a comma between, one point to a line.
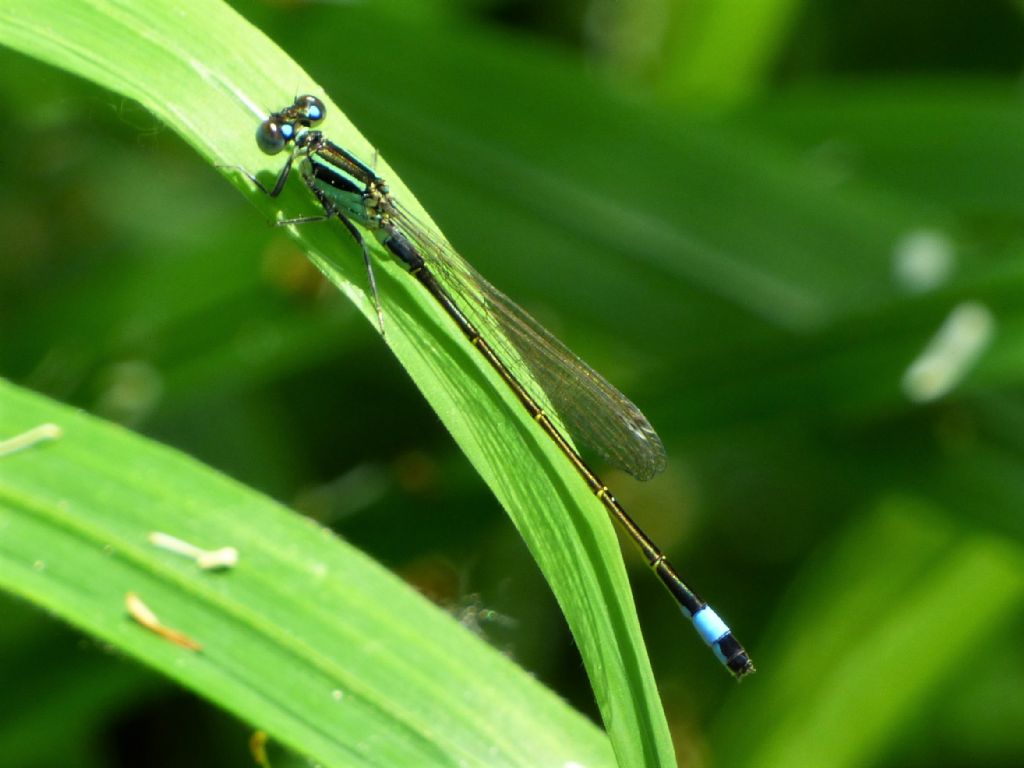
x=592, y=411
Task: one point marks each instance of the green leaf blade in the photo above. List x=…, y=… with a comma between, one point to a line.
x=306, y=637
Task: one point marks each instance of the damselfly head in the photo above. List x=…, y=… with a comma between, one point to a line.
x=281, y=127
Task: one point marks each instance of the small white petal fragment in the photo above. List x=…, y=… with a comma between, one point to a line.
x=213, y=559
x=174, y=544
x=145, y=617
x=36, y=435
x=218, y=559
x=923, y=260
x=951, y=353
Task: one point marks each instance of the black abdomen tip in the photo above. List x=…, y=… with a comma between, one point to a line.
x=735, y=657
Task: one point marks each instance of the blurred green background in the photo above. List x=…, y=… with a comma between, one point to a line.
x=753, y=217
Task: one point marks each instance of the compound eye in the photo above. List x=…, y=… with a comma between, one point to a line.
x=272, y=135
x=312, y=109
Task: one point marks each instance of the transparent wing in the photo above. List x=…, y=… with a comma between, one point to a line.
x=593, y=411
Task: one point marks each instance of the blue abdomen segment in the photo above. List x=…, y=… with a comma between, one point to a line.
x=709, y=625
x=718, y=636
